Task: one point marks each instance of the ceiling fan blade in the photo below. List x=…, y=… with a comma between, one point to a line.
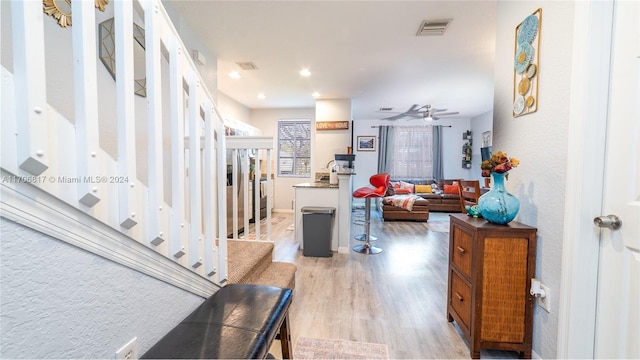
x=413, y=108
x=405, y=115
x=395, y=117
x=420, y=112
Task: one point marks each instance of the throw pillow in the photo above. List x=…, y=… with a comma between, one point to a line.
x=395, y=184
x=451, y=189
x=424, y=189
x=406, y=185
x=403, y=191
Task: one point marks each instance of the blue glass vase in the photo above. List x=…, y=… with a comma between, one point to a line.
x=497, y=205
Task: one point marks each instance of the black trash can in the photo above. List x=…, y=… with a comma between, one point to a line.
x=317, y=227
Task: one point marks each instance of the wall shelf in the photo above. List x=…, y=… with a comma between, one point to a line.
x=467, y=149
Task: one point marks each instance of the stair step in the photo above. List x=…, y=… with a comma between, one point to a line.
x=280, y=274
x=247, y=257
x=251, y=262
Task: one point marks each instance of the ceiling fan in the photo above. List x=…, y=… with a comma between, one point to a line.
x=425, y=112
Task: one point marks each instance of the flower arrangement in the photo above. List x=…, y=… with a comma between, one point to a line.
x=499, y=162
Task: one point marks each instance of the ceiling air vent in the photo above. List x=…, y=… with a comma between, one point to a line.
x=385, y=109
x=247, y=65
x=433, y=27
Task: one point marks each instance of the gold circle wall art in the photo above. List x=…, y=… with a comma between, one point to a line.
x=61, y=10
x=526, y=65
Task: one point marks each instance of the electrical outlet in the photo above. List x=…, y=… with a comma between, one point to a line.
x=128, y=351
x=545, y=302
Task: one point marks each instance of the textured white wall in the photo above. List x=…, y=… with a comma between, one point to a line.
x=62, y=302
x=209, y=71
x=539, y=140
x=231, y=109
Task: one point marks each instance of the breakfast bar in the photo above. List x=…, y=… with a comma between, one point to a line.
x=322, y=193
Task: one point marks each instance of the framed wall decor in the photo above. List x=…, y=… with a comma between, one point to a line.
x=332, y=125
x=107, y=53
x=366, y=143
x=486, y=138
x=526, y=64
x=61, y=10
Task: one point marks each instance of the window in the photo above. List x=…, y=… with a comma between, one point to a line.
x=412, y=153
x=294, y=147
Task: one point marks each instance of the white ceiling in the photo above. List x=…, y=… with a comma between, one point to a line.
x=367, y=51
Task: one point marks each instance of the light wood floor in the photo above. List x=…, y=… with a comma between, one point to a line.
x=397, y=298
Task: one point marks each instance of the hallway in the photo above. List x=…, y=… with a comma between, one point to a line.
x=397, y=298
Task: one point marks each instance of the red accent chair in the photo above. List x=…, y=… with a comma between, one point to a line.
x=380, y=183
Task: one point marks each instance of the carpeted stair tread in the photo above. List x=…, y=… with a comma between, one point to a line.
x=246, y=258
x=251, y=262
x=280, y=274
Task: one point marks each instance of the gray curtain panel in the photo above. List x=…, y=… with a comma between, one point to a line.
x=437, y=153
x=384, y=133
x=385, y=147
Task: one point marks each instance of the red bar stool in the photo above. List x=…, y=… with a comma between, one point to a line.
x=381, y=183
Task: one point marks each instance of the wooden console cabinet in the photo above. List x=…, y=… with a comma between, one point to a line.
x=490, y=271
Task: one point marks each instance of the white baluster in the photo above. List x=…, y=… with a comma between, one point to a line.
x=245, y=192
x=267, y=190
x=234, y=191
x=195, y=187
x=210, y=184
x=221, y=152
x=176, y=101
x=256, y=196
x=123, y=14
x=30, y=88
x=154, y=119
x=86, y=103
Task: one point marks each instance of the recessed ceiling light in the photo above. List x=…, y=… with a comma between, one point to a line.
x=234, y=75
x=315, y=94
x=305, y=72
x=261, y=96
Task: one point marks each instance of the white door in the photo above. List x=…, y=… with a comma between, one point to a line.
x=618, y=300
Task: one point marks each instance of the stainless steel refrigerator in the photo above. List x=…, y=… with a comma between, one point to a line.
x=239, y=179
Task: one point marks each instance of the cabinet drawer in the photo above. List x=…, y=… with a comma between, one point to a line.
x=460, y=299
x=462, y=251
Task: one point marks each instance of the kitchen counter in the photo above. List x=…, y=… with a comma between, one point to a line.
x=317, y=184
x=321, y=193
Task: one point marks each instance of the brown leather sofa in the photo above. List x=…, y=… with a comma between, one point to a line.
x=438, y=202
x=441, y=201
x=419, y=211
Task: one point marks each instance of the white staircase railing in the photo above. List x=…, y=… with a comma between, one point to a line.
x=240, y=147
x=54, y=170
